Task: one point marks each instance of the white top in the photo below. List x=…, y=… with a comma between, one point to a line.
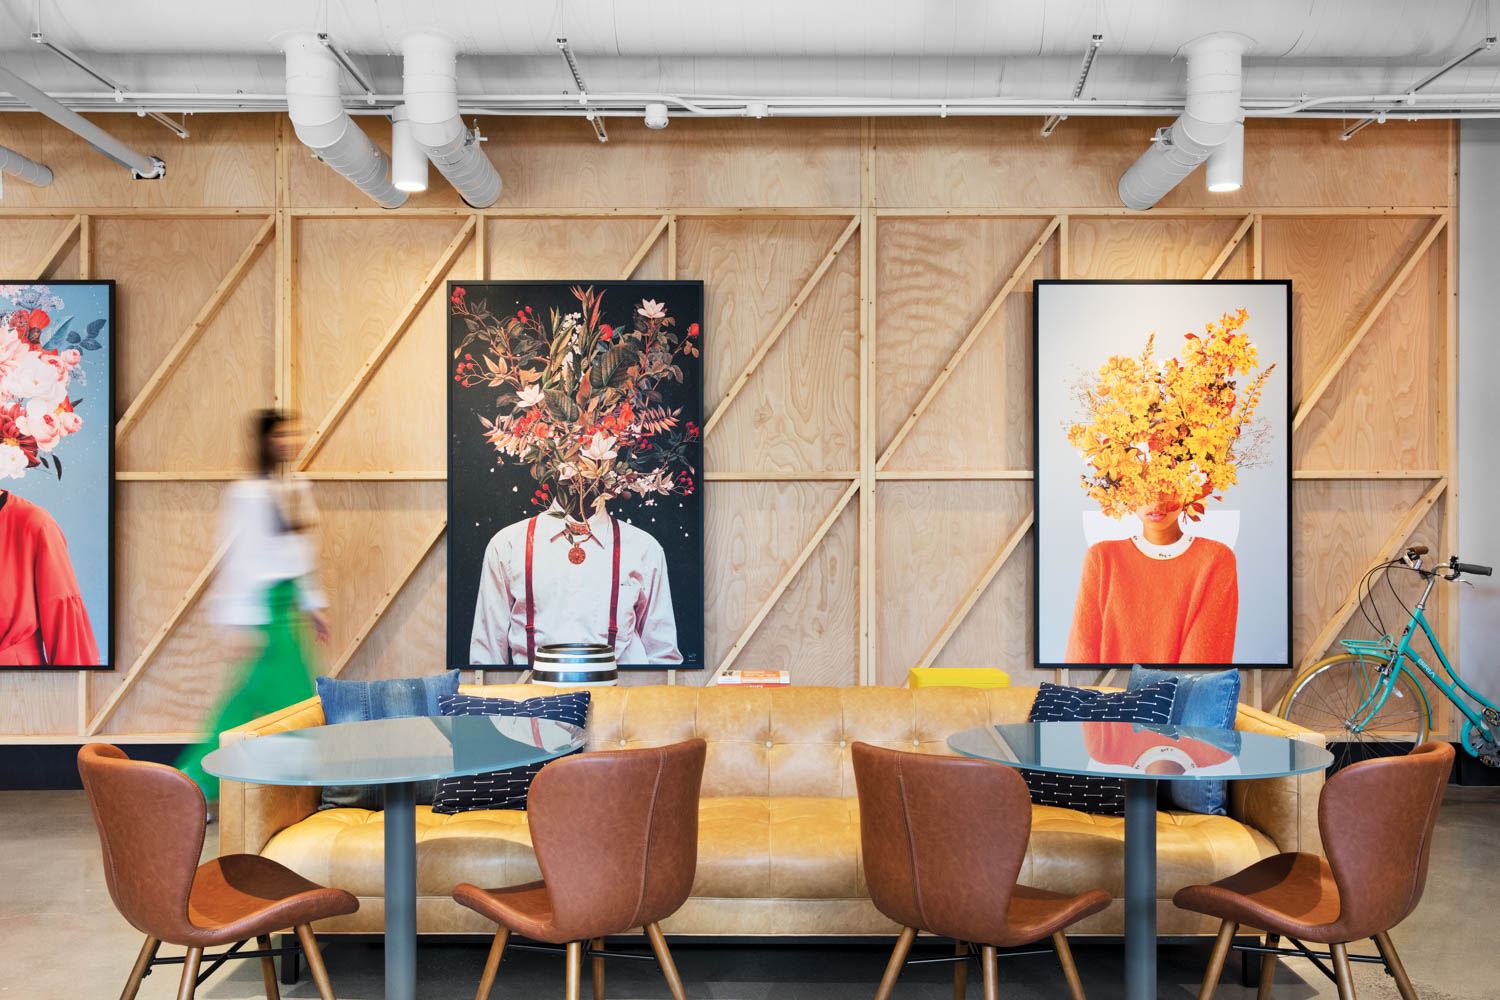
x=1155, y=551
x=261, y=553
x=572, y=600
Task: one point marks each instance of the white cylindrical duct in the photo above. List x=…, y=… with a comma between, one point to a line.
x=1208, y=120
x=1225, y=168
x=430, y=88
x=30, y=171
x=143, y=165
x=317, y=112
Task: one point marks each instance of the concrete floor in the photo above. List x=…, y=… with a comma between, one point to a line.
x=60, y=937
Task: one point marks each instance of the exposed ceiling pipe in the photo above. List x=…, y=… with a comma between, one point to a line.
x=142, y=165
x=316, y=108
x=430, y=86
x=27, y=169
x=1209, y=118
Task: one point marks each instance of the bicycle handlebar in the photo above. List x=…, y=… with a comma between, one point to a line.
x=1471, y=568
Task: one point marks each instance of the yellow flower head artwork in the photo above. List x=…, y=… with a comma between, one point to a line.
x=1171, y=433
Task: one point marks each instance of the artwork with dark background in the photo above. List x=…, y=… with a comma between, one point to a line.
x=1163, y=473
x=571, y=402
x=57, y=455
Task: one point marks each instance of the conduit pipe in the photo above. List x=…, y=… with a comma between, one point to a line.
x=27, y=169
x=430, y=90
x=144, y=166
x=316, y=108
x=1208, y=120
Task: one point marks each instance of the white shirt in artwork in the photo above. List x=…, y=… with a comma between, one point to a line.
x=572, y=600
x=260, y=551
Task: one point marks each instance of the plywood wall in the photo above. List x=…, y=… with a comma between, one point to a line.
x=869, y=311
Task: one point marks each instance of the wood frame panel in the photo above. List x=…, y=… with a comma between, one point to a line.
x=822, y=590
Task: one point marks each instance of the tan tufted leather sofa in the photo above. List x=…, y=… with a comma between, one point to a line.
x=779, y=823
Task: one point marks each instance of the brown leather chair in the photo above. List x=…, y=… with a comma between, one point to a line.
x=943, y=840
x=616, y=837
x=151, y=820
x=1376, y=820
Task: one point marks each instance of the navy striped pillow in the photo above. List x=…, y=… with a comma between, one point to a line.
x=504, y=789
x=1059, y=703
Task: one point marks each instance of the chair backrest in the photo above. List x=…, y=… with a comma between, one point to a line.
x=943, y=839
x=616, y=835
x=1376, y=819
x=151, y=820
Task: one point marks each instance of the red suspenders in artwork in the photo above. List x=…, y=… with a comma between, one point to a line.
x=614, y=589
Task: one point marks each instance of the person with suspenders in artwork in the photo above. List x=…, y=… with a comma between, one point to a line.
x=551, y=579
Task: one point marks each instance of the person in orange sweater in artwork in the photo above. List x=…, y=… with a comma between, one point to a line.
x=1162, y=439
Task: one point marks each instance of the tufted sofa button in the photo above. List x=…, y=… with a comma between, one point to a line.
x=768, y=744
x=916, y=743
x=843, y=743
x=622, y=743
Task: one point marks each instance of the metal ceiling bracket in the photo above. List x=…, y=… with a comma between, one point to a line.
x=1363, y=123
x=1083, y=78
x=583, y=91
x=346, y=62
x=67, y=55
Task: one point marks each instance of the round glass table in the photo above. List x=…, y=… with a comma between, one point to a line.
x=395, y=753
x=1143, y=755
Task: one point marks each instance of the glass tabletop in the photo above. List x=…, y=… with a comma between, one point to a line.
x=388, y=751
x=1133, y=749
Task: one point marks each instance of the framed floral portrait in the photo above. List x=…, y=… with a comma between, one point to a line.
x=1163, y=473
x=56, y=475
x=575, y=457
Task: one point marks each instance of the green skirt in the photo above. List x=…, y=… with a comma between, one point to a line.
x=280, y=674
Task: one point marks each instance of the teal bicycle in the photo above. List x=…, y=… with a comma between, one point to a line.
x=1367, y=701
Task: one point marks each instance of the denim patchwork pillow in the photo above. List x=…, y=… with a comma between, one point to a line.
x=1058, y=703
x=362, y=701
x=505, y=789
x=1208, y=700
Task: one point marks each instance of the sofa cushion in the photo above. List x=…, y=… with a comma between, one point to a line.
x=507, y=788
x=362, y=701
x=1209, y=700
x=759, y=848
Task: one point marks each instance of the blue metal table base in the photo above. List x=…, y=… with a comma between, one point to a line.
x=401, y=891
x=1140, y=889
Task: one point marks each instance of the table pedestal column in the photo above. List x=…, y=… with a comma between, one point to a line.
x=401, y=891
x=1140, y=889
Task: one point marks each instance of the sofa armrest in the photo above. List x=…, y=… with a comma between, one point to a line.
x=1284, y=809
x=250, y=815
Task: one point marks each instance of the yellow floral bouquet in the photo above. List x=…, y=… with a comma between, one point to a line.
x=1159, y=434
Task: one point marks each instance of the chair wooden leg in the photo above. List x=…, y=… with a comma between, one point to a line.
x=961, y=970
x=897, y=960
x=598, y=970
x=268, y=968
x=1069, y=967
x=1393, y=962
x=1268, y=968
x=664, y=959
x=142, y=963
x=315, y=961
x=1343, y=977
x=575, y=970
x=991, y=973
x=1216, y=960
x=492, y=964
x=189, y=984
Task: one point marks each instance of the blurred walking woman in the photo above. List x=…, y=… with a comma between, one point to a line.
x=266, y=590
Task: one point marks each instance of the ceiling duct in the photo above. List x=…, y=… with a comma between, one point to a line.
x=430, y=89
x=316, y=108
x=142, y=165
x=1209, y=119
x=27, y=169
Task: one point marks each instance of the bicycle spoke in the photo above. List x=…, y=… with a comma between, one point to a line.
x=1344, y=698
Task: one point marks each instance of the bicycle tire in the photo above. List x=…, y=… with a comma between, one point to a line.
x=1325, y=696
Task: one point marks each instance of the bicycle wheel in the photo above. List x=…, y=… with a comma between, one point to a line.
x=1333, y=698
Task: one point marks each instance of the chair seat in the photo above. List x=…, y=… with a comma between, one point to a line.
x=1037, y=914
x=1290, y=894
x=241, y=896
x=524, y=909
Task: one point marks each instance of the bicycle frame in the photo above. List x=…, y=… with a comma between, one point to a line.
x=1398, y=660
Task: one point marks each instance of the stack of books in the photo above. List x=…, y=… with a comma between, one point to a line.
x=756, y=678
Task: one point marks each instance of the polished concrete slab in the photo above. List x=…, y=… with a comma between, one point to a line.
x=60, y=937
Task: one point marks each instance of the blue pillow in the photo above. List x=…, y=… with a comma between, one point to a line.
x=505, y=789
x=1207, y=700
x=1058, y=703
x=362, y=701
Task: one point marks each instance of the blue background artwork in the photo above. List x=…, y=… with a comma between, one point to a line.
x=80, y=500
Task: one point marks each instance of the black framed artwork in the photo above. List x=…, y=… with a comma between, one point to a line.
x=56, y=475
x=1163, y=473
x=575, y=457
